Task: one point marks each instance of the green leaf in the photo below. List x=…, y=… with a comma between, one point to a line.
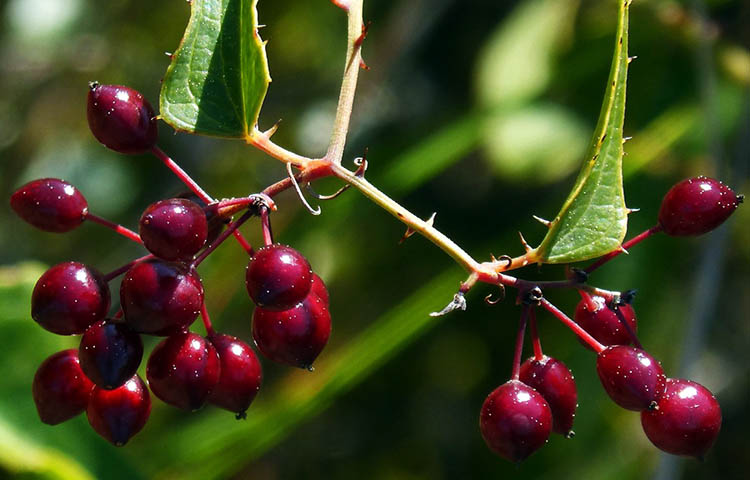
x=594, y=219
x=219, y=75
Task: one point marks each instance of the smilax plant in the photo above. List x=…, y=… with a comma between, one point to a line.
x=215, y=85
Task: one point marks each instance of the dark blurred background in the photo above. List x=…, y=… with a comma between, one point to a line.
x=479, y=111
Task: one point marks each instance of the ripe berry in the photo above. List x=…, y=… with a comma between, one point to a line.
x=515, y=421
x=696, y=205
x=119, y=414
x=686, y=421
x=319, y=288
x=121, y=119
x=60, y=389
x=50, y=204
x=110, y=353
x=69, y=297
x=241, y=375
x=174, y=229
x=632, y=378
x=278, y=277
x=183, y=369
x=161, y=298
x=602, y=323
x=295, y=336
x=552, y=379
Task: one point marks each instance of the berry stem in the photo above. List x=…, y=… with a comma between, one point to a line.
x=119, y=271
x=583, y=334
x=626, y=326
x=207, y=321
x=624, y=248
x=536, y=343
x=231, y=228
x=516, y=372
x=265, y=219
x=125, y=232
x=181, y=174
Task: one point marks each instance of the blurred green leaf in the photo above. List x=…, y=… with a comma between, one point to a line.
x=219, y=75
x=594, y=219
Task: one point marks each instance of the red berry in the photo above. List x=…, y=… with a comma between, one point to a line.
x=110, y=353
x=241, y=375
x=603, y=323
x=686, y=421
x=60, y=389
x=69, y=297
x=278, y=277
x=552, y=379
x=515, y=421
x=119, y=414
x=696, y=206
x=50, y=204
x=121, y=119
x=319, y=288
x=161, y=298
x=295, y=336
x=632, y=378
x=174, y=229
x=183, y=369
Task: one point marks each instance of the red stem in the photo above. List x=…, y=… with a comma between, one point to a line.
x=231, y=228
x=582, y=334
x=125, y=232
x=626, y=326
x=625, y=246
x=243, y=242
x=181, y=174
x=516, y=373
x=207, y=321
x=117, y=272
x=265, y=218
x=536, y=343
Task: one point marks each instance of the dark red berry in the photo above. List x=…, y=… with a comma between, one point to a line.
x=515, y=421
x=174, y=229
x=319, y=288
x=183, y=370
x=295, y=336
x=161, y=298
x=110, y=353
x=632, y=378
x=686, y=421
x=215, y=222
x=552, y=379
x=69, y=297
x=278, y=277
x=602, y=322
x=60, y=389
x=121, y=119
x=241, y=375
x=50, y=204
x=696, y=206
x=119, y=414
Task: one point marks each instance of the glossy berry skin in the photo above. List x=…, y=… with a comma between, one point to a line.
x=687, y=420
x=602, y=323
x=632, y=378
x=278, y=277
x=161, y=298
x=319, y=288
x=552, y=379
x=110, y=354
x=50, y=204
x=696, y=206
x=121, y=119
x=183, y=370
x=60, y=389
x=119, y=414
x=173, y=229
x=295, y=336
x=241, y=374
x=69, y=297
x=515, y=421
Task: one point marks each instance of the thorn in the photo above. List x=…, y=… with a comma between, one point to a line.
x=625, y=139
x=430, y=221
x=630, y=59
x=620, y=248
x=363, y=35
x=492, y=258
x=506, y=259
x=269, y=133
x=315, y=194
x=169, y=54
x=544, y=222
x=633, y=210
x=342, y=4
x=410, y=231
x=458, y=303
x=526, y=246
x=260, y=26
x=363, y=65
x=362, y=164
x=313, y=211
x=490, y=301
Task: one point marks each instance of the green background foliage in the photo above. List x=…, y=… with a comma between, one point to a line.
x=450, y=128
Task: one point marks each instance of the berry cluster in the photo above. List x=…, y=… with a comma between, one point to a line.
x=679, y=416
x=161, y=294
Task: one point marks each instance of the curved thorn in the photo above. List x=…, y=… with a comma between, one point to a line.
x=506, y=259
x=362, y=164
x=335, y=194
x=313, y=211
x=490, y=301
